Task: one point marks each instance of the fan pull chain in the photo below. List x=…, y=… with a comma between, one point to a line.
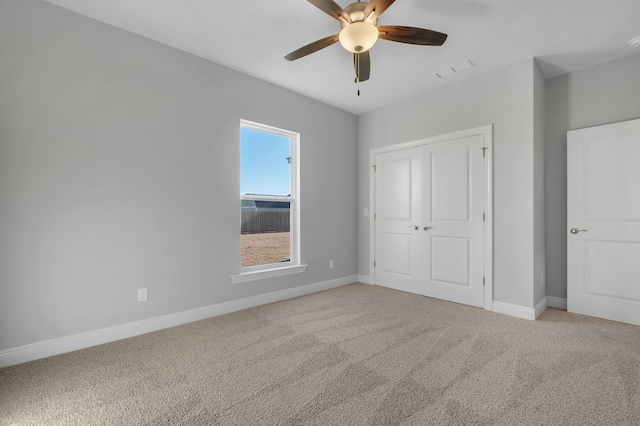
x=358, y=72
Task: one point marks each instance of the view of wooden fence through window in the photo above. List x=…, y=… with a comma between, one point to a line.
x=254, y=222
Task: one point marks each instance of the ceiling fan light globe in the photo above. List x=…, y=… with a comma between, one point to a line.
x=358, y=37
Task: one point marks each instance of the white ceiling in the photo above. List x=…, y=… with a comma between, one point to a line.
x=253, y=36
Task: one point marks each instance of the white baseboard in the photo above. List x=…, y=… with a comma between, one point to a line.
x=540, y=307
x=87, y=339
x=365, y=279
x=557, y=302
x=514, y=310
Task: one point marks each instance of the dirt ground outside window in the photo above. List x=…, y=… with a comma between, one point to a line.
x=264, y=249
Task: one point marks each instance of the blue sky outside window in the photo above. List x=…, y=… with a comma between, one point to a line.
x=264, y=164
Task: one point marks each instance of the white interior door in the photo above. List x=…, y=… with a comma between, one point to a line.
x=429, y=212
x=603, y=214
x=397, y=214
x=452, y=220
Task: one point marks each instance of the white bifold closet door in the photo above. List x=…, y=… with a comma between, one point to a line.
x=429, y=220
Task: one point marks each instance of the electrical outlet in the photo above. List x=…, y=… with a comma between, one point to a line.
x=142, y=295
x=331, y=264
x=542, y=283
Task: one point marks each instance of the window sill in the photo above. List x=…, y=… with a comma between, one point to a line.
x=244, y=277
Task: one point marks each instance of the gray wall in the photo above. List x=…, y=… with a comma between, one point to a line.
x=504, y=98
x=539, y=257
x=602, y=94
x=119, y=170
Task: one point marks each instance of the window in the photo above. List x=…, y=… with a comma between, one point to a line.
x=269, y=202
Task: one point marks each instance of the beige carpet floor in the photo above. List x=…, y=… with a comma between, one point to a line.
x=355, y=355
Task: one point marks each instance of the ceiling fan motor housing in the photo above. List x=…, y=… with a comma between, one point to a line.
x=356, y=12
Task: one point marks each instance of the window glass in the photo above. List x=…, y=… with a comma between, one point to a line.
x=267, y=206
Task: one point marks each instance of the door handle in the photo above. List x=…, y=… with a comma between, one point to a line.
x=576, y=230
x=416, y=227
x=426, y=228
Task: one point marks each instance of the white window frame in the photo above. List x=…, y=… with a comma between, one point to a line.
x=294, y=265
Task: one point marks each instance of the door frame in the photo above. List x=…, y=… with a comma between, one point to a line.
x=487, y=133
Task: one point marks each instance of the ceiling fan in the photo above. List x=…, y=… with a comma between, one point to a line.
x=360, y=31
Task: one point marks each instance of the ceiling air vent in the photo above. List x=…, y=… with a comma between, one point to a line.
x=462, y=66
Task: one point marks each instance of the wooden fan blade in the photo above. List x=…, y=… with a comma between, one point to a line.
x=332, y=9
x=412, y=35
x=377, y=6
x=363, y=69
x=312, y=47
